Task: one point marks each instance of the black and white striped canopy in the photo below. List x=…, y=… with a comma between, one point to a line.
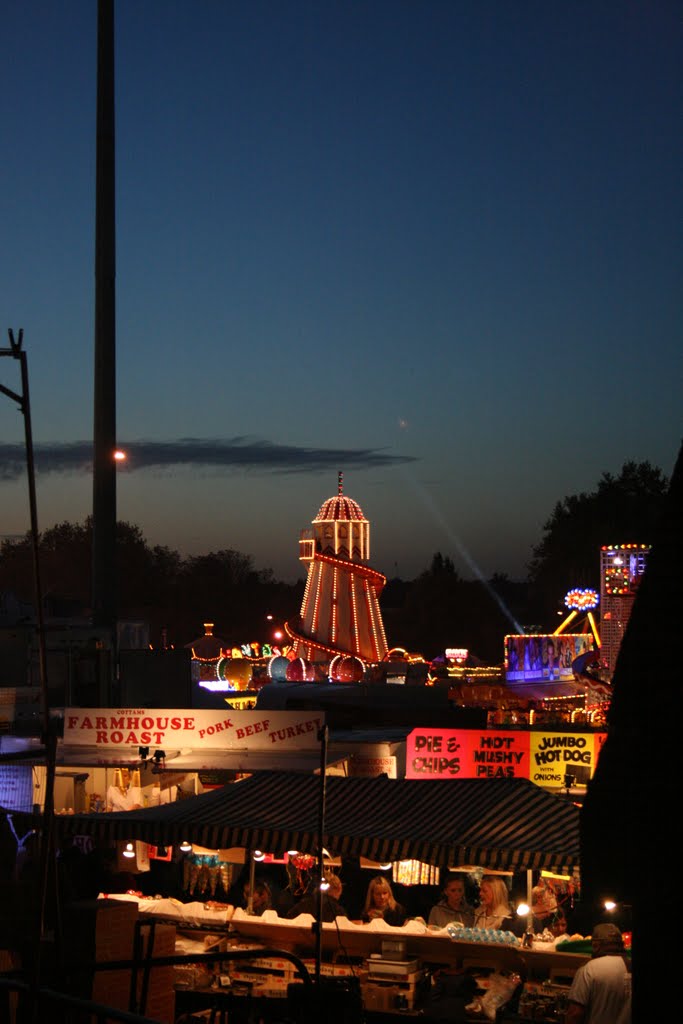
x=505, y=824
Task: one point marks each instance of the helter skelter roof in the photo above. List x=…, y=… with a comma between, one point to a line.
x=339, y=507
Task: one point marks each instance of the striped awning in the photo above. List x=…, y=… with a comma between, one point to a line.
x=506, y=824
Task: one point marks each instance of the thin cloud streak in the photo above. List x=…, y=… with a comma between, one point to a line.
x=233, y=453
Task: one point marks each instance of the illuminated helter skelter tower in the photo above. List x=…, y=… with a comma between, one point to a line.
x=340, y=614
x=621, y=569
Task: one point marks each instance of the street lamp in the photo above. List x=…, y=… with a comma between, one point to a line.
x=276, y=634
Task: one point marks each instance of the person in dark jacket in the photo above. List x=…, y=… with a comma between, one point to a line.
x=331, y=907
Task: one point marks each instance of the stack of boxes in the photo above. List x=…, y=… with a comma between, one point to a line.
x=98, y=931
x=268, y=976
x=271, y=976
x=388, y=981
x=159, y=1002
x=9, y=961
x=393, y=981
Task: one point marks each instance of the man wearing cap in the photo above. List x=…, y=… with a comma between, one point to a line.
x=601, y=990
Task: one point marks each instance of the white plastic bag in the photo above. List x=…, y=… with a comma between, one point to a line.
x=501, y=988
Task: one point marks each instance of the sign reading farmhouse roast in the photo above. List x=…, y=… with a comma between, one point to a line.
x=544, y=757
x=192, y=730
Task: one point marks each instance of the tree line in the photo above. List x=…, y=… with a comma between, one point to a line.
x=437, y=609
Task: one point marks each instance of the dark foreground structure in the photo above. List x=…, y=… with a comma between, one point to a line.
x=630, y=817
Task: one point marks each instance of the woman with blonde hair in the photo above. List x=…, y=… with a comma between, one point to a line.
x=494, y=908
x=380, y=903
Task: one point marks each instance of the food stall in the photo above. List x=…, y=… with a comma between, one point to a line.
x=503, y=825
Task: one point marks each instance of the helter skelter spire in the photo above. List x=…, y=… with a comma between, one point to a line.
x=340, y=611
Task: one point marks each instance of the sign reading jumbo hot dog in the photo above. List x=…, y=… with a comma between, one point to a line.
x=225, y=730
x=542, y=756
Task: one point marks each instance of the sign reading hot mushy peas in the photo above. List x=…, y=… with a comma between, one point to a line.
x=210, y=729
x=546, y=758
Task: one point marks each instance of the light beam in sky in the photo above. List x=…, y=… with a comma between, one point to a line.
x=439, y=518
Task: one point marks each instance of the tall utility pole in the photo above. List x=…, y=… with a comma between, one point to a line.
x=49, y=734
x=104, y=582
x=16, y=351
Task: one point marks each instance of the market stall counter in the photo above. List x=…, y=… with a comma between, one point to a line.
x=412, y=969
x=432, y=946
x=399, y=969
x=195, y=914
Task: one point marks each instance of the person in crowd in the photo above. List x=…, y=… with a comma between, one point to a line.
x=72, y=880
x=558, y=924
x=600, y=992
x=380, y=902
x=330, y=904
x=334, y=892
x=452, y=906
x=494, y=909
x=283, y=901
x=546, y=912
x=354, y=886
x=261, y=900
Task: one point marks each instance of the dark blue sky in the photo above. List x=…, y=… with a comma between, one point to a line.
x=434, y=245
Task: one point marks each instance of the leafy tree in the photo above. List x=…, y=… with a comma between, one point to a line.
x=154, y=584
x=622, y=510
x=442, y=569
x=436, y=610
x=64, y=555
x=218, y=587
x=440, y=609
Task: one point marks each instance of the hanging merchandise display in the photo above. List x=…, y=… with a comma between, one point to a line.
x=206, y=873
x=299, y=867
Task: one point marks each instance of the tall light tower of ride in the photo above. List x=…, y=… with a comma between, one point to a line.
x=621, y=570
x=104, y=583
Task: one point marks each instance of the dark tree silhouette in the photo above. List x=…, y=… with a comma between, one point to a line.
x=155, y=584
x=622, y=510
x=439, y=609
x=436, y=610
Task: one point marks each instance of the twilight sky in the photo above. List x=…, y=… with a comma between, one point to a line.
x=433, y=244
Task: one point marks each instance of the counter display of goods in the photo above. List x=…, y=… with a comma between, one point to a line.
x=577, y=945
x=543, y=1002
x=195, y=914
x=262, y=974
x=489, y=935
x=432, y=945
x=395, y=969
x=431, y=949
